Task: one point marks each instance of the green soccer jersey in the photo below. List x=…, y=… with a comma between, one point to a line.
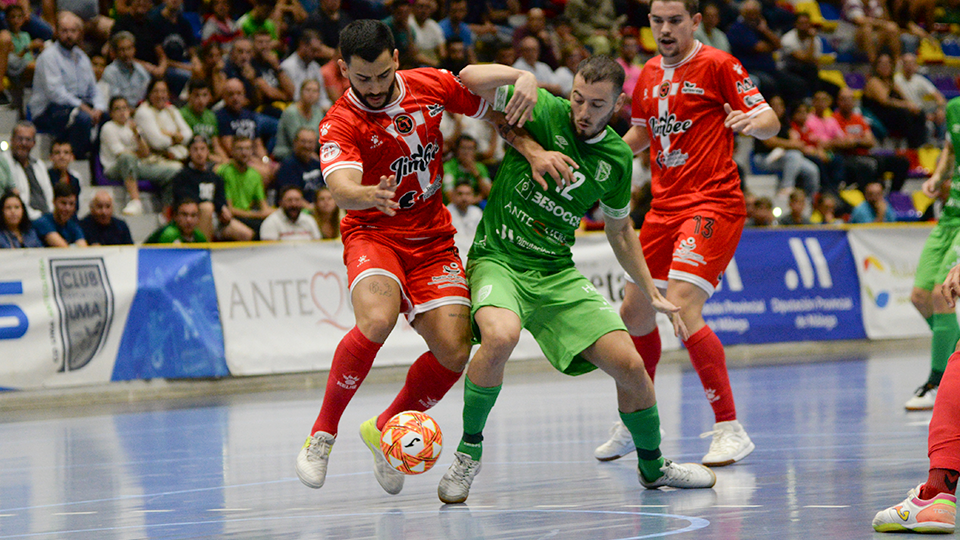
x=951, y=210
x=527, y=227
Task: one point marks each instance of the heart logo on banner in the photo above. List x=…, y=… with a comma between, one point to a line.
x=329, y=295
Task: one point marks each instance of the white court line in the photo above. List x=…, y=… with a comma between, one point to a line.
x=229, y=509
x=738, y=506
x=74, y=513
x=827, y=506
x=151, y=511
x=557, y=506
x=646, y=506
x=7, y=515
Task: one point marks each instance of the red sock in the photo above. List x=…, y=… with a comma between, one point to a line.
x=706, y=354
x=943, y=442
x=351, y=363
x=649, y=347
x=427, y=382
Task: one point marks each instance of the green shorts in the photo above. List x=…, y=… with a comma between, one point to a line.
x=562, y=310
x=941, y=252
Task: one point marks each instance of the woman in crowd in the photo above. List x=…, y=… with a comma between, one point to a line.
x=305, y=113
x=327, y=214
x=16, y=231
x=883, y=98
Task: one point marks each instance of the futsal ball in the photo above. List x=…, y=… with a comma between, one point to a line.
x=411, y=442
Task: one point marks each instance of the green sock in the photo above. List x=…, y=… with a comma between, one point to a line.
x=930, y=321
x=477, y=404
x=946, y=332
x=644, y=426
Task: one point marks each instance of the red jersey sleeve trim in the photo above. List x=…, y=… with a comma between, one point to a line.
x=638, y=122
x=482, y=111
x=758, y=110
x=343, y=165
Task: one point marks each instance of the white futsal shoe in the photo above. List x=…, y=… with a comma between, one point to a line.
x=455, y=485
x=620, y=443
x=681, y=475
x=730, y=444
x=390, y=479
x=312, y=459
x=922, y=399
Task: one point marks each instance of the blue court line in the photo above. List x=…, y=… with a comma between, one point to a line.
x=695, y=522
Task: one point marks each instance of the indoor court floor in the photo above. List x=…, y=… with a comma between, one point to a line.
x=833, y=446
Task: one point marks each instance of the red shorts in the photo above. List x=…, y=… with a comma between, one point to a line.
x=428, y=271
x=695, y=247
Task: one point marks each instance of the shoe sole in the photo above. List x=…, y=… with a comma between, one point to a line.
x=735, y=459
x=451, y=501
x=610, y=458
x=307, y=483
x=923, y=529
x=914, y=409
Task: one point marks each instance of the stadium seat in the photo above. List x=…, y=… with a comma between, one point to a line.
x=833, y=76
x=902, y=204
x=947, y=85
x=920, y=201
x=930, y=52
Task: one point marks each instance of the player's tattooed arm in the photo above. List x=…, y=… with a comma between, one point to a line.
x=557, y=165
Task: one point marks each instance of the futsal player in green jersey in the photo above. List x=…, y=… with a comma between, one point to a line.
x=940, y=253
x=522, y=275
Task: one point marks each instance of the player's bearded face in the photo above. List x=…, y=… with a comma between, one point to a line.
x=373, y=83
x=673, y=29
x=591, y=106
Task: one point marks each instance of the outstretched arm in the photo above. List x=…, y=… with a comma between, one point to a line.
x=626, y=246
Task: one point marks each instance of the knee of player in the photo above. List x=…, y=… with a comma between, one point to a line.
x=499, y=339
x=376, y=326
x=921, y=298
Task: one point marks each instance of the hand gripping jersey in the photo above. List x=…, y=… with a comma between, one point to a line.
x=528, y=228
x=403, y=139
x=691, y=152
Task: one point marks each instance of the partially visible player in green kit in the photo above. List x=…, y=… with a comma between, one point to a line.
x=522, y=275
x=940, y=253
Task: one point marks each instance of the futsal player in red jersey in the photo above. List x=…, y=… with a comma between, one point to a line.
x=381, y=155
x=687, y=105
x=931, y=507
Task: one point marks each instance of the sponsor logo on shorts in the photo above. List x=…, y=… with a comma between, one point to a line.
x=686, y=254
x=452, y=277
x=329, y=152
x=484, y=293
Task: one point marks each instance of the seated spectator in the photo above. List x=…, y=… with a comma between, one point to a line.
x=220, y=28
x=99, y=65
x=239, y=66
x=708, y=33
x=235, y=120
x=785, y=155
x=455, y=59
x=305, y=113
x=465, y=214
x=61, y=228
x=326, y=214
x=302, y=168
x=874, y=208
x=536, y=27
x=65, y=99
x=30, y=178
x=866, y=28
x=304, y=64
x=529, y=51
x=94, y=25
x=61, y=157
x=800, y=52
x=465, y=167
x=859, y=165
x=454, y=27
x=243, y=185
x=125, y=76
x=176, y=41
x=753, y=43
x=328, y=21
x=403, y=33
x=797, y=203
x=918, y=90
x=208, y=66
x=290, y=222
x=825, y=210
x=273, y=85
x=430, y=41
x=197, y=114
x=258, y=19
x=763, y=214
x=20, y=60
x=183, y=228
x=887, y=101
x=126, y=157
x=100, y=228
x=161, y=124
x=563, y=77
x=197, y=182
x=136, y=22
x=595, y=23
x=16, y=230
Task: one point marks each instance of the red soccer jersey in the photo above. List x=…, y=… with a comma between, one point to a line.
x=403, y=138
x=691, y=152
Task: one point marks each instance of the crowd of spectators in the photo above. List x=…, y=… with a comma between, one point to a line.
x=216, y=105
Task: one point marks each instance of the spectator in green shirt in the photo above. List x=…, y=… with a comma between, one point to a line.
x=243, y=185
x=465, y=167
x=201, y=119
x=258, y=19
x=183, y=229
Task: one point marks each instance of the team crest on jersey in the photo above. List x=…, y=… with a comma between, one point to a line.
x=603, y=171
x=329, y=152
x=561, y=142
x=434, y=110
x=404, y=124
x=745, y=85
x=664, y=89
x=525, y=188
x=752, y=100
x=691, y=88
